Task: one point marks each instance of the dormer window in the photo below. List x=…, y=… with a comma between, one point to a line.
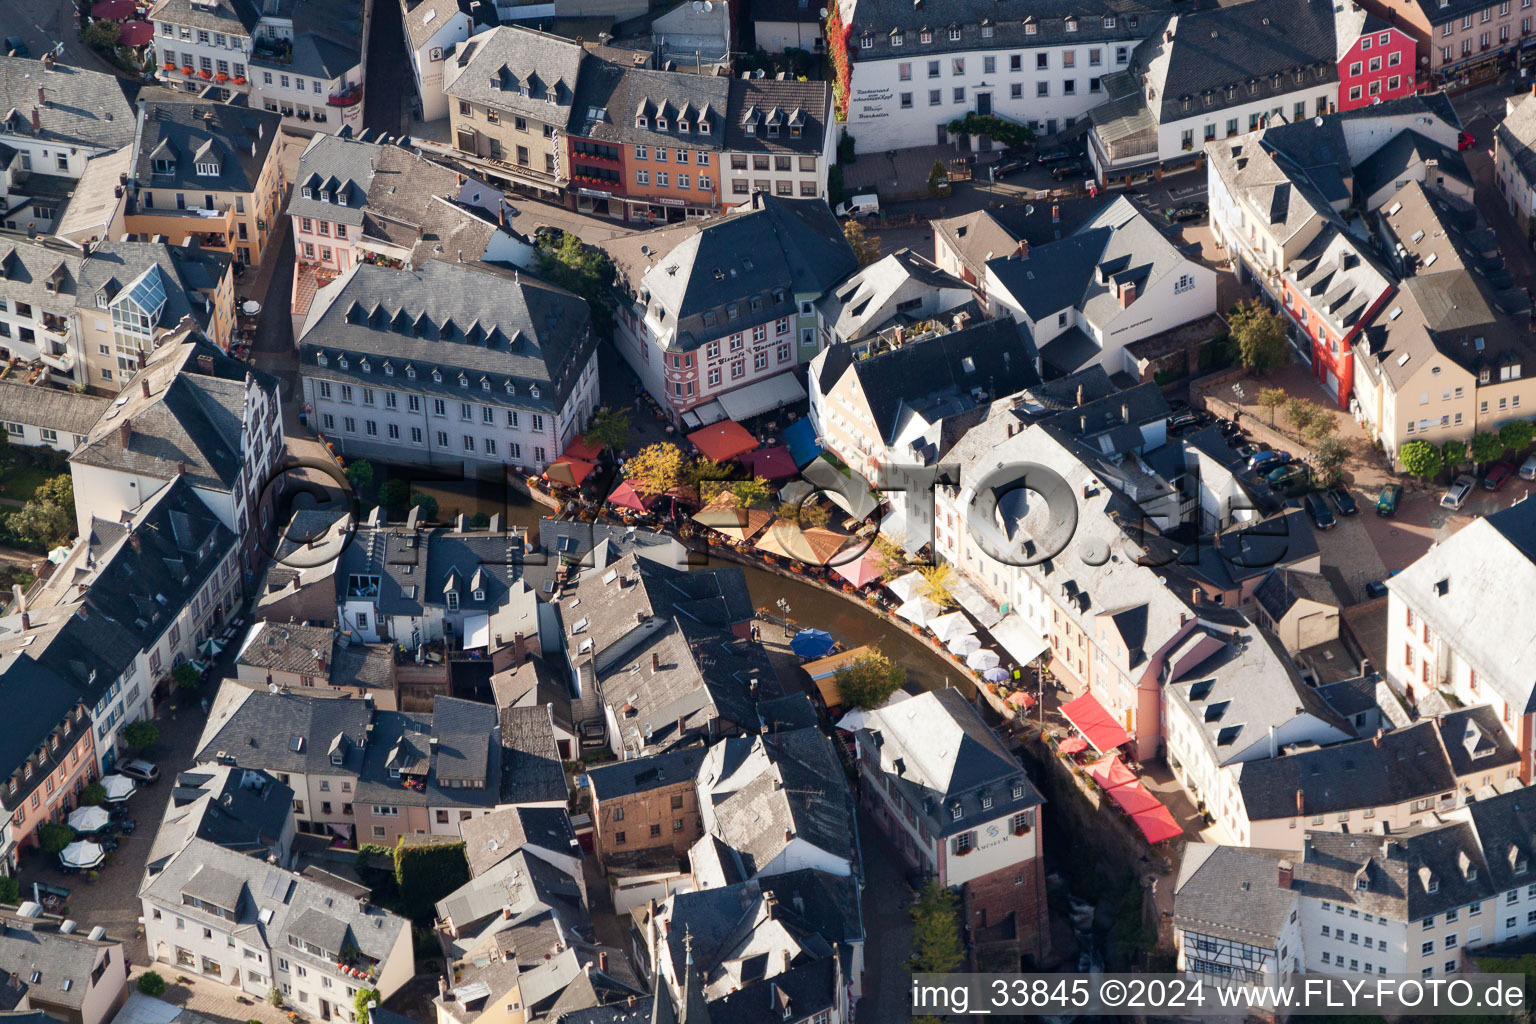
x=437, y=376
x=682, y=126
x=954, y=33
x=463, y=381
x=342, y=362
x=325, y=195
x=1071, y=24
x=986, y=802
x=410, y=373
x=389, y=370
x=336, y=759
x=322, y=359
x=925, y=36
x=452, y=597
x=309, y=193
x=661, y=124
x=208, y=170
x=366, y=366
x=533, y=390
x=1030, y=28
x=703, y=127
x=641, y=121
x=1018, y=791
x=163, y=166
x=479, y=595
x=1362, y=882
x=1484, y=375
x=511, y=388
x=1109, y=21
x=897, y=38
x=866, y=40
x=955, y=812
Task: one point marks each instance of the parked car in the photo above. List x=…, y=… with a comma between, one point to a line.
x=1187, y=212
x=866, y=205
x=1265, y=461
x=1528, y=469
x=1322, y=515
x=1386, y=502
x=1465, y=141
x=140, y=771
x=1005, y=167
x=1496, y=476
x=1062, y=172
x=1375, y=589
x=1182, y=419
x=1054, y=156
x=1248, y=449
x=1343, y=500
x=1287, y=477
x=1457, y=494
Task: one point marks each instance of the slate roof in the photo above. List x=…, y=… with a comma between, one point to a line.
x=262, y=730
x=1340, y=278
x=754, y=261
x=1476, y=743
x=861, y=305
x=68, y=412
x=938, y=752
x=523, y=882
x=236, y=139
x=1398, y=869
x=943, y=376
x=44, y=272
x=469, y=321
x=981, y=235
x=1231, y=893
x=1283, y=588
x=789, y=104
x=1403, y=151
x=805, y=989
x=1218, y=54
x=612, y=98
x=424, y=18
x=232, y=17
x=402, y=746
x=493, y=66
x=1448, y=587
x=1506, y=829
x=531, y=769
x=35, y=949
x=241, y=809
x=287, y=647
x=534, y=683
x=766, y=791
x=191, y=416
x=491, y=838
x=1516, y=136
x=640, y=774
x=1097, y=21
x=83, y=108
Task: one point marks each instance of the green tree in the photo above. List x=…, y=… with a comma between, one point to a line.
x=1420, y=458
x=1260, y=336
x=610, y=429
x=54, y=836
x=1486, y=447
x=1300, y=413
x=1323, y=425
x=1271, y=399
x=101, y=34
x=275, y=996
x=1516, y=434
x=868, y=681
x=393, y=496
x=185, y=676
x=426, y=872
x=365, y=1000
x=140, y=734
x=1007, y=133
x=937, y=581
x=49, y=515
x=10, y=891
x=937, y=947
x=938, y=180
x=805, y=514
x=1329, y=455
x=865, y=246
x=360, y=473
x=1453, y=453
x=657, y=468
x=892, y=558
x=750, y=492
x=427, y=504
x=151, y=984
x=93, y=795
x=585, y=270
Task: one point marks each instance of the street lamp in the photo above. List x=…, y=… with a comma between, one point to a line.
x=784, y=610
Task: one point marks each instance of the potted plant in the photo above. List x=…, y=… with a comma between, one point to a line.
x=205, y=74
x=239, y=79
x=221, y=77
x=188, y=69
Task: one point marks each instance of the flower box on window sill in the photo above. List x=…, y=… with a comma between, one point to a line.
x=221, y=77
x=962, y=853
x=205, y=74
x=1022, y=830
x=239, y=79
x=188, y=70
x=168, y=66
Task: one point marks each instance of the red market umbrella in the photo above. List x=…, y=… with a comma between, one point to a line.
x=1073, y=745
x=1157, y=824
x=724, y=440
x=114, y=10
x=1090, y=718
x=770, y=463
x=1111, y=773
x=581, y=448
x=1135, y=799
x=626, y=495
x=570, y=472
x=1020, y=699
x=859, y=571
x=136, y=33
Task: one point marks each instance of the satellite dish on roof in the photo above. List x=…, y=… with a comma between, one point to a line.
x=271, y=687
x=1318, y=121
x=1029, y=210
x=698, y=6
x=645, y=250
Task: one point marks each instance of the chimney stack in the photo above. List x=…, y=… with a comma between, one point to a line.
x=1022, y=252
x=144, y=386
x=42, y=100
x=37, y=122
x=181, y=468
x=1127, y=294
x=682, y=724
x=602, y=961
x=655, y=662
x=125, y=433
x=1286, y=874
x=1196, y=595
x=1080, y=394
x=205, y=363
x=1376, y=740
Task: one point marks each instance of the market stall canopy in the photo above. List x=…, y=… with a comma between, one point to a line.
x=859, y=571
x=1157, y=824
x=1073, y=745
x=570, y=472
x=907, y=586
x=770, y=463
x=764, y=396
x=803, y=444
x=919, y=611
x=1109, y=772
x=1090, y=718
x=1134, y=799
x=947, y=627
x=627, y=495
x=135, y=34
x=723, y=441
x=581, y=448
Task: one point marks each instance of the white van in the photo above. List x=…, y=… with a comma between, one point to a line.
x=867, y=205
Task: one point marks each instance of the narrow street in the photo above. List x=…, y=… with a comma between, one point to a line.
x=887, y=929
x=389, y=73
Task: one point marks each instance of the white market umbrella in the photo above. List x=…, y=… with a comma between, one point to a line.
x=982, y=659
x=118, y=787
x=906, y=587
x=88, y=819
x=949, y=626
x=58, y=554
x=919, y=611
x=795, y=492
x=964, y=644
x=82, y=855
